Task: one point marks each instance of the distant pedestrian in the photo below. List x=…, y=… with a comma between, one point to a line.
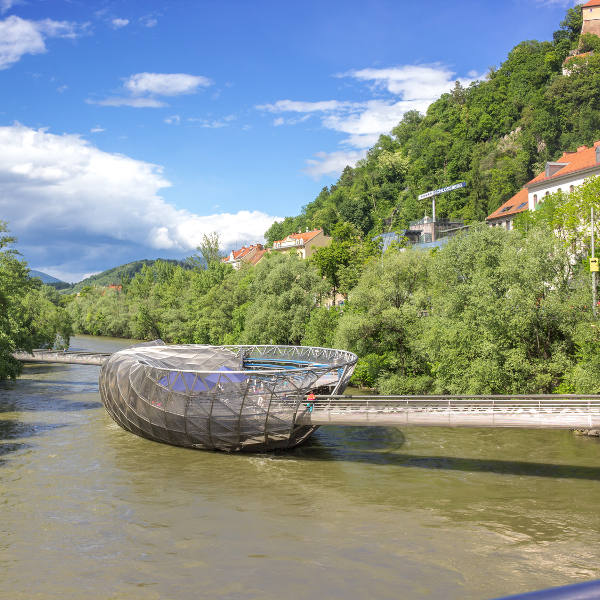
x=310, y=402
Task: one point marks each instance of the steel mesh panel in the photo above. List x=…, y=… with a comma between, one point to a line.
x=214, y=397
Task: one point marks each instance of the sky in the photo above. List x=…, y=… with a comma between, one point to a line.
x=130, y=128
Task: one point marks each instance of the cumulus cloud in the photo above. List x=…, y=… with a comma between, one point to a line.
x=405, y=88
x=212, y=123
x=125, y=101
x=6, y=5
x=142, y=89
x=78, y=196
x=148, y=21
x=331, y=163
x=119, y=23
x=165, y=84
x=20, y=36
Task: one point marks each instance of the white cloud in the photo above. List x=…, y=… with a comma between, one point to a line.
x=173, y=120
x=405, y=88
x=119, y=23
x=19, y=37
x=332, y=163
x=305, y=107
x=412, y=82
x=165, y=84
x=6, y=5
x=133, y=102
x=97, y=129
x=142, y=89
x=148, y=21
x=213, y=123
x=74, y=190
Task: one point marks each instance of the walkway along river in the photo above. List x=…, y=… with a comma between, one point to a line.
x=90, y=511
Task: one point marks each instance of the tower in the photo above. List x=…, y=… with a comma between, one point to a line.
x=591, y=17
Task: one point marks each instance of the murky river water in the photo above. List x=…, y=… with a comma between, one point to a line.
x=90, y=511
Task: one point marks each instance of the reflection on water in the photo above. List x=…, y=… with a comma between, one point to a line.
x=91, y=511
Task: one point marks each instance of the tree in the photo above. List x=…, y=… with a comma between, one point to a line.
x=501, y=318
x=209, y=249
x=382, y=319
x=283, y=293
x=30, y=315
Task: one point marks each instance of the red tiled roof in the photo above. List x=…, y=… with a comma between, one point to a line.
x=241, y=253
x=305, y=237
x=256, y=257
x=517, y=204
x=591, y=3
x=578, y=55
x=583, y=159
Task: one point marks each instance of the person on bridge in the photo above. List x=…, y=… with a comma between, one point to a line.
x=310, y=402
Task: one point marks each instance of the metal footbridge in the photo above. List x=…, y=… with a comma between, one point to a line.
x=564, y=411
x=552, y=411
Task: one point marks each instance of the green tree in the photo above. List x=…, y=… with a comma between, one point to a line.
x=30, y=315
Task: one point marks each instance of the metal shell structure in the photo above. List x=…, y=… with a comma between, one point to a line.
x=229, y=398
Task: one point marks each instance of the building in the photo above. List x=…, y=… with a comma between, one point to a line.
x=564, y=175
x=430, y=230
x=246, y=254
x=591, y=17
x=304, y=244
x=590, y=12
x=505, y=214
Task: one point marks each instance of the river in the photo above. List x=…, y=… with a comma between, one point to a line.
x=88, y=510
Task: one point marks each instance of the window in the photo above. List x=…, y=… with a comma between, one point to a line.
x=522, y=205
x=572, y=189
x=508, y=223
x=547, y=194
x=506, y=208
x=534, y=199
x=559, y=191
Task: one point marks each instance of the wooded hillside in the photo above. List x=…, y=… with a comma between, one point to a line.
x=496, y=135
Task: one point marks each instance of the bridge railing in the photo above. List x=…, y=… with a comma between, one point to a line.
x=552, y=410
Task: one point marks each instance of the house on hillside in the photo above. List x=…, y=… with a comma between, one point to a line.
x=591, y=17
x=563, y=175
x=246, y=254
x=304, y=244
x=590, y=12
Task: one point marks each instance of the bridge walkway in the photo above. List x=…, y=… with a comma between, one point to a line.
x=553, y=411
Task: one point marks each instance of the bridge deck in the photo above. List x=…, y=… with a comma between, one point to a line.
x=554, y=411
x=58, y=356
x=547, y=412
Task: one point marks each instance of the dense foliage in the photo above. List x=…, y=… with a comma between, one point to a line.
x=492, y=312
x=120, y=275
x=495, y=134
x=30, y=315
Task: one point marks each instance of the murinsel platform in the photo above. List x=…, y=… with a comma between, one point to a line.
x=220, y=397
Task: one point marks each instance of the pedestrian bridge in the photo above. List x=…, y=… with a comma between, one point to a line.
x=552, y=411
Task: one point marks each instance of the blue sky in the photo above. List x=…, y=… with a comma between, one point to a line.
x=128, y=129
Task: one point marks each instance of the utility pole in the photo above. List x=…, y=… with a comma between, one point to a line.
x=593, y=268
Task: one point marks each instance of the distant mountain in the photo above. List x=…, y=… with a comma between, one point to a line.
x=49, y=280
x=115, y=275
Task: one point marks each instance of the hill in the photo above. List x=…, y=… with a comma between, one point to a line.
x=496, y=135
x=49, y=280
x=116, y=275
